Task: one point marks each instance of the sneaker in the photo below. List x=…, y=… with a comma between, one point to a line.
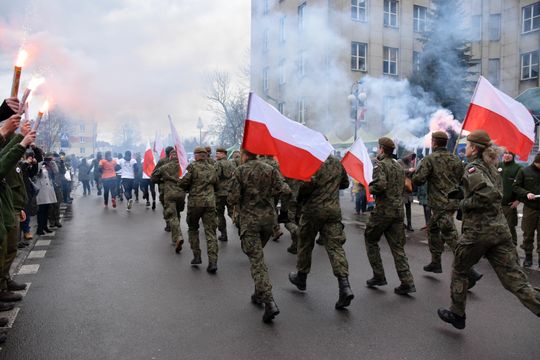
x=113, y=200
x=153, y=205
x=129, y=204
x=12, y=285
x=8, y=296
x=148, y=204
x=28, y=236
x=6, y=306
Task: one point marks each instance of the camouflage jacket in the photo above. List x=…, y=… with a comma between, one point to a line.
x=482, y=210
x=9, y=157
x=168, y=176
x=225, y=172
x=387, y=187
x=15, y=179
x=442, y=171
x=200, y=181
x=159, y=164
x=320, y=196
x=235, y=162
x=254, y=187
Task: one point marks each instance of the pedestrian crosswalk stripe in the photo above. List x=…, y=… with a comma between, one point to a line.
x=28, y=269
x=11, y=315
x=37, y=254
x=43, y=243
x=49, y=235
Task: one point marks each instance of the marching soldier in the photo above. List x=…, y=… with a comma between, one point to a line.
x=173, y=197
x=485, y=233
x=225, y=171
x=200, y=181
x=159, y=164
x=254, y=187
x=387, y=219
x=321, y=212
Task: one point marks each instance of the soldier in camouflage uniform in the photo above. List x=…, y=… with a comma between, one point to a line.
x=209, y=157
x=235, y=159
x=254, y=187
x=173, y=196
x=200, y=181
x=485, y=232
x=387, y=219
x=290, y=213
x=269, y=159
x=321, y=212
x=159, y=164
x=225, y=171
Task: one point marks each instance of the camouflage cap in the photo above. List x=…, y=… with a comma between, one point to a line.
x=221, y=150
x=387, y=142
x=200, y=150
x=480, y=137
x=441, y=135
x=537, y=158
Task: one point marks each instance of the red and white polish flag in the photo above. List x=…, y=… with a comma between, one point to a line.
x=179, y=148
x=358, y=165
x=149, y=163
x=507, y=121
x=299, y=150
x=158, y=148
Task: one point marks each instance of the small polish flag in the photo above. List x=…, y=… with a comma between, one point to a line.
x=149, y=162
x=507, y=121
x=358, y=165
x=179, y=148
x=299, y=150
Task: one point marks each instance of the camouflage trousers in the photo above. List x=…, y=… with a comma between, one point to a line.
x=253, y=238
x=221, y=203
x=511, y=215
x=12, y=240
x=171, y=212
x=499, y=250
x=441, y=230
x=530, y=223
x=208, y=216
x=332, y=230
x=392, y=228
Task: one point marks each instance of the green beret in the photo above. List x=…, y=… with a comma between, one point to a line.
x=480, y=137
x=440, y=135
x=200, y=150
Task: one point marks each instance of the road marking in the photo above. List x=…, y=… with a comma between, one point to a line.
x=49, y=234
x=11, y=315
x=28, y=269
x=43, y=243
x=37, y=254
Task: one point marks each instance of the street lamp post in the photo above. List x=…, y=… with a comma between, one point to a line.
x=200, y=126
x=357, y=98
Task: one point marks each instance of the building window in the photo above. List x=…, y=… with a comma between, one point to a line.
x=266, y=7
x=266, y=40
x=494, y=71
x=391, y=13
x=416, y=61
x=390, y=61
x=531, y=17
x=359, y=10
x=529, y=65
x=302, y=64
x=358, y=56
x=282, y=29
x=301, y=116
x=282, y=72
x=266, y=84
x=83, y=150
x=82, y=140
x=475, y=68
x=281, y=107
x=301, y=14
x=419, y=18
x=494, y=27
x=476, y=28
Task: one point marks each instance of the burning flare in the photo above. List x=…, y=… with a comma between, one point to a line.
x=35, y=82
x=21, y=58
x=44, y=108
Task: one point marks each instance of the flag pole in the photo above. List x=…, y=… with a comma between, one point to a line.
x=466, y=116
x=247, y=116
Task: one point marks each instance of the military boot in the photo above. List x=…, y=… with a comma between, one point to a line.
x=270, y=311
x=212, y=268
x=528, y=260
x=256, y=299
x=167, y=228
x=405, y=289
x=3, y=321
x=345, y=293
x=298, y=279
x=474, y=276
x=433, y=267
x=223, y=237
x=8, y=296
x=12, y=285
x=452, y=318
x=178, y=246
x=292, y=249
x=6, y=306
x=196, y=259
x=376, y=281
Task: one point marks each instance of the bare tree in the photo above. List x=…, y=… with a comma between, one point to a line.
x=228, y=102
x=53, y=131
x=128, y=134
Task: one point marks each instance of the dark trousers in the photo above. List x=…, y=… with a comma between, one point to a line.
x=408, y=214
x=136, y=186
x=147, y=184
x=66, y=190
x=127, y=184
x=42, y=217
x=86, y=186
x=109, y=185
x=361, y=201
x=99, y=184
x=427, y=214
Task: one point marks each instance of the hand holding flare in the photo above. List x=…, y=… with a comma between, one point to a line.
x=34, y=83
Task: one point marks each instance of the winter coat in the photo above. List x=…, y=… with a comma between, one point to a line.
x=44, y=182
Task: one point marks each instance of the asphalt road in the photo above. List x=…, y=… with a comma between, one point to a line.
x=111, y=287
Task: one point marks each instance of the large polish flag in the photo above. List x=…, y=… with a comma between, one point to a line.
x=507, y=121
x=159, y=150
x=358, y=165
x=299, y=150
x=149, y=162
x=179, y=148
